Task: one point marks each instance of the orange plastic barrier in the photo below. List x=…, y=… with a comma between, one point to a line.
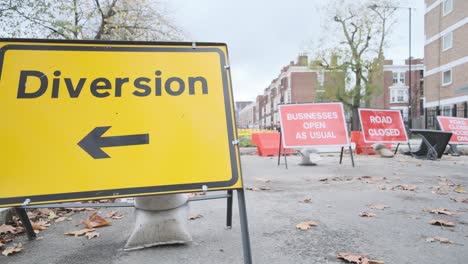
x=267, y=144
x=361, y=147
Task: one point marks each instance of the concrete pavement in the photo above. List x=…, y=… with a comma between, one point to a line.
x=338, y=194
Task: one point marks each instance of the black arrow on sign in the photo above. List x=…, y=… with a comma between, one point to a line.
x=93, y=142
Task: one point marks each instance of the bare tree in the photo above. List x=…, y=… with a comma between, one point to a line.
x=88, y=19
x=357, y=35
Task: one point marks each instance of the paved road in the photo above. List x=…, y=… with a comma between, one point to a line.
x=396, y=235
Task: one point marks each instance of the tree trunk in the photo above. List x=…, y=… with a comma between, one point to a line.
x=355, y=124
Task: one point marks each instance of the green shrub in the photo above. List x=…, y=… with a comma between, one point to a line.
x=245, y=141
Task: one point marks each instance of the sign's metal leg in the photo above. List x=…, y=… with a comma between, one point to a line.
x=396, y=149
x=341, y=155
x=229, y=209
x=351, y=153
x=285, y=159
x=279, y=151
x=244, y=227
x=23, y=216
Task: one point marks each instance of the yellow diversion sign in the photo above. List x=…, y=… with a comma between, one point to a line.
x=87, y=120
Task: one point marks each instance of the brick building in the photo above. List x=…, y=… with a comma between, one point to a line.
x=446, y=59
x=298, y=82
x=393, y=90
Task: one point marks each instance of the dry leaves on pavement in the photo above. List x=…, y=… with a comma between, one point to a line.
x=459, y=189
x=258, y=189
x=94, y=221
x=93, y=234
x=114, y=215
x=370, y=179
x=460, y=200
x=440, y=239
x=40, y=225
x=404, y=187
x=263, y=180
x=8, y=229
x=366, y=214
x=440, y=211
x=79, y=232
x=358, y=259
x=306, y=200
x=441, y=223
x=306, y=225
x=13, y=249
x=194, y=216
x=378, y=206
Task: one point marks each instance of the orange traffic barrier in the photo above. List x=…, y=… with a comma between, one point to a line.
x=362, y=147
x=267, y=143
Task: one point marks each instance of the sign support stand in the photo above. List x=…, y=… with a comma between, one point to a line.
x=244, y=227
x=21, y=212
x=350, y=152
x=279, y=151
x=23, y=216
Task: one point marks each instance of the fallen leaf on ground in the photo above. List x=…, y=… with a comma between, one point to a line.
x=60, y=219
x=79, y=232
x=378, y=206
x=460, y=200
x=95, y=221
x=441, y=222
x=7, y=228
x=91, y=235
x=444, y=189
x=381, y=187
x=418, y=165
x=258, y=189
x=405, y=187
x=1, y=244
x=323, y=179
x=306, y=200
x=13, y=249
x=114, y=215
x=440, y=239
x=440, y=211
x=52, y=215
x=371, y=178
x=40, y=225
x=366, y=214
x=263, y=180
x=194, y=216
x=306, y=225
x=358, y=259
x=459, y=189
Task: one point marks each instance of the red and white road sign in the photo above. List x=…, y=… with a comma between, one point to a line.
x=458, y=126
x=385, y=126
x=305, y=125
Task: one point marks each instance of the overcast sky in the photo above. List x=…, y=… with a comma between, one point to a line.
x=264, y=35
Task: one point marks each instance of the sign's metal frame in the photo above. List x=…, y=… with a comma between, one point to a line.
x=45, y=202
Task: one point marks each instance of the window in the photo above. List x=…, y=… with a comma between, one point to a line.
x=399, y=95
x=447, y=7
x=447, y=77
x=398, y=78
x=321, y=77
x=447, y=41
x=447, y=110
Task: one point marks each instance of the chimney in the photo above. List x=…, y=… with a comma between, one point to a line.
x=302, y=59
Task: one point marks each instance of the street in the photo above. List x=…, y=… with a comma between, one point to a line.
x=278, y=199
